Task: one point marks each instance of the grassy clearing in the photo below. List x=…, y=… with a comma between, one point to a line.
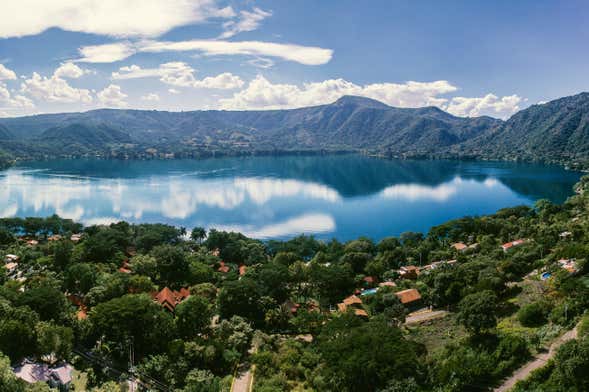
x=436, y=334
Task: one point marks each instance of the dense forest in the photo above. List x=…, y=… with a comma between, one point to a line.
x=554, y=132
x=162, y=308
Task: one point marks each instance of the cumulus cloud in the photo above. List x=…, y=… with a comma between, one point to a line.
x=69, y=70
x=179, y=74
x=129, y=18
x=6, y=74
x=247, y=21
x=9, y=100
x=490, y=105
x=307, y=55
x=54, y=89
x=112, y=96
x=153, y=97
x=173, y=91
x=262, y=94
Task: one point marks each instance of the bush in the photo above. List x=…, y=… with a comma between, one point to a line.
x=533, y=315
x=583, y=328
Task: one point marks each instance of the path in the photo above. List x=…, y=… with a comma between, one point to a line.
x=420, y=317
x=538, y=361
x=243, y=379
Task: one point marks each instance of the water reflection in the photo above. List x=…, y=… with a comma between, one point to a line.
x=276, y=197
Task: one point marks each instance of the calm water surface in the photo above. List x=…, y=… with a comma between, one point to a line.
x=342, y=196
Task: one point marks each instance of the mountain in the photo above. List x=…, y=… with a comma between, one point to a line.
x=555, y=131
x=558, y=130
x=83, y=135
x=350, y=123
x=5, y=134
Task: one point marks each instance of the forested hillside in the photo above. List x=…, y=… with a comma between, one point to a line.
x=458, y=309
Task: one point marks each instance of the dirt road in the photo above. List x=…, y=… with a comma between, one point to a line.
x=536, y=363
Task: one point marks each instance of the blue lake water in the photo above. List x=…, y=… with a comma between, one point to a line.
x=341, y=196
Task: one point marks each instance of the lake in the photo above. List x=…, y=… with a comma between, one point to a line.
x=341, y=196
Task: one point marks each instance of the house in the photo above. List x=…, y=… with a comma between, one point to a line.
x=369, y=280
x=411, y=298
x=508, y=245
x=354, y=303
x=565, y=234
x=58, y=376
x=76, y=237
x=125, y=267
x=32, y=242
x=11, y=269
x=169, y=299
x=9, y=258
x=459, y=246
x=387, y=284
x=54, y=237
x=408, y=272
x=242, y=270
x=569, y=264
x=224, y=268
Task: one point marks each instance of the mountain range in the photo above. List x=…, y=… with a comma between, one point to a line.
x=557, y=131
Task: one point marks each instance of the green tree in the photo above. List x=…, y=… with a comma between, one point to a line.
x=478, y=312
x=54, y=340
x=135, y=317
x=193, y=316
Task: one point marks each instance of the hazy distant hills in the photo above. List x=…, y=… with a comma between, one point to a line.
x=553, y=131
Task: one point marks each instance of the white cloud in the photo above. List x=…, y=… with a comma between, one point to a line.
x=261, y=62
x=307, y=55
x=129, y=18
x=54, y=89
x=13, y=101
x=106, y=53
x=6, y=74
x=112, y=96
x=173, y=91
x=248, y=21
x=490, y=105
x=179, y=74
x=262, y=94
x=153, y=97
x=69, y=70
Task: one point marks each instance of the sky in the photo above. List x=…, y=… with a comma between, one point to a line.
x=470, y=57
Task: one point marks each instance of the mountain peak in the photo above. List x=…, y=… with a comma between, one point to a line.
x=354, y=100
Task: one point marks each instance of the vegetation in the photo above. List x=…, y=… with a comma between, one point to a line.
x=552, y=132
x=187, y=309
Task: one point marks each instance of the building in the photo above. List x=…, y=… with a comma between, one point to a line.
x=242, y=270
x=9, y=258
x=12, y=270
x=569, y=264
x=411, y=298
x=169, y=299
x=76, y=237
x=508, y=245
x=459, y=246
x=57, y=376
x=54, y=237
x=408, y=272
x=354, y=303
x=223, y=268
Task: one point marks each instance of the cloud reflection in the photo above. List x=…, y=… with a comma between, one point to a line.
x=308, y=223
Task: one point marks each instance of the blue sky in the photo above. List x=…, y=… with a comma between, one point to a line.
x=467, y=57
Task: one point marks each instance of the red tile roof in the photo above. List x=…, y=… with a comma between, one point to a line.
x=408, y=296
x=169, y=299
x=351, y=300
x=223, y=267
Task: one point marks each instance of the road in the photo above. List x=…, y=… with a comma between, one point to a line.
x=536, y=363
x=243, y=379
